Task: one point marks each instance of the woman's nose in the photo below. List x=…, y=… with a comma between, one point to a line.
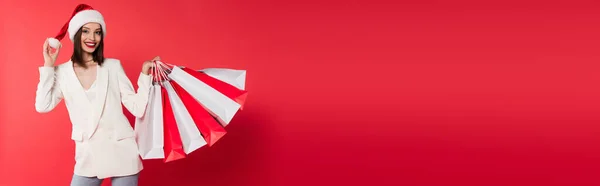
x=90, y=36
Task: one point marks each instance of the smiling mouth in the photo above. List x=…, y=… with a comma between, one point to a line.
x=90, y=44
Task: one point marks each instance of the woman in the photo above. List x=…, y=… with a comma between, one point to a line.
x=94, y=87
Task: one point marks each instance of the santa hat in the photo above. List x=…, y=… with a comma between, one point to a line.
x=82, y=15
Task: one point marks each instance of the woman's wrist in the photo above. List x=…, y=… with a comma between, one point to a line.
x=149, y=65
x=145, y=71
x=48, y=64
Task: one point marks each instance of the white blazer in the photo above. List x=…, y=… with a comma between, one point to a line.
x=104, y=139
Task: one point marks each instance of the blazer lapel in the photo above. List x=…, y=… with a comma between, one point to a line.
x=98, y=102
x=79, y=92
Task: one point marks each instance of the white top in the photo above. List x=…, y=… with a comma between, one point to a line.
x=91, y=92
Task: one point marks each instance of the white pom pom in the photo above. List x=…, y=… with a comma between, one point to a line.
x=53, y=42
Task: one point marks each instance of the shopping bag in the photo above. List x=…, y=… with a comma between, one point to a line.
x=149, y=128
x=234, y=77
x=190, y=135
x=232, y=92
x=173, y=147
x=210, y=128
x=216, y=103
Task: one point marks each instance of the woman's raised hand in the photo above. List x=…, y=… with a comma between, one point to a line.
x=149, y=65
x=50, y=55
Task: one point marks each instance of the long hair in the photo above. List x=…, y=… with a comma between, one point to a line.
x=77, y=57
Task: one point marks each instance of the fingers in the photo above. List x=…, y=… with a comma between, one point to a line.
x=50, y=51
x=157, y=58
x=58, y=49
x=46, y=46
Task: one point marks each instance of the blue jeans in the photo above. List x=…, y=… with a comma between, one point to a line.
x=94, y=181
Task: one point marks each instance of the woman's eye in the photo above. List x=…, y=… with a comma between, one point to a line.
x=85, y=31
x=97, y=33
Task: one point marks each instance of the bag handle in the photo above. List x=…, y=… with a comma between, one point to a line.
x=161, y=71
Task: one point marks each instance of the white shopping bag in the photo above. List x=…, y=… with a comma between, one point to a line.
x=234, y=77
x=190, y=135
x=219, y=104
x=149, y=130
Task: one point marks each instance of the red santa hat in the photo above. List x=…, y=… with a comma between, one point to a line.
x=82, y=15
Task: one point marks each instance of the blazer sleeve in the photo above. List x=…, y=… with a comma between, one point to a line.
x=134, y=102
x=48, y=93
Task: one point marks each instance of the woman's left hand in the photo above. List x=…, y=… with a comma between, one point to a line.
x=149, y=65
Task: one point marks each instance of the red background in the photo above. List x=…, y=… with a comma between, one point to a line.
x=341, y=92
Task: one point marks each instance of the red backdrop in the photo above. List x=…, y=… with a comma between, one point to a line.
x=341, y=92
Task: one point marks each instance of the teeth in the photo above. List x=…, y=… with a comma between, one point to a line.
x=90, y=44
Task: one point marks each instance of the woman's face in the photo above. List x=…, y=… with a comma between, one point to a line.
x=90, y=37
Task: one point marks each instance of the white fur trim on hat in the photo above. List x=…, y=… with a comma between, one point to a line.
x=84, y=17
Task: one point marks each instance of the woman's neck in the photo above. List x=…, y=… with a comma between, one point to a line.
x=87, y=57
